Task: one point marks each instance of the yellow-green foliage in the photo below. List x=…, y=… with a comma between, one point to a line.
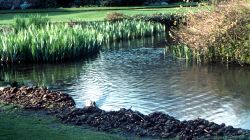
x=219, y=35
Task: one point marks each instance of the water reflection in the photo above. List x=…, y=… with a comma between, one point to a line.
x=147, y=79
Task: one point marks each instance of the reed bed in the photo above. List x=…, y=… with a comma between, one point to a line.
x=182, y=51
x=35, y=20
x=124, y=29
x=37, y=40
x=48, y=44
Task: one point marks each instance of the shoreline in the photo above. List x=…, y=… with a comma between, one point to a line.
x=157, y=124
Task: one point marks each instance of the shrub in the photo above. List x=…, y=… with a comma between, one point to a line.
x=166, y=19
x=115, y=16
x=5, y=4
x=64, y=3
x=86, y=2
x=132, y=2
x=50, y=4
x=220, y=35
x=121, y=2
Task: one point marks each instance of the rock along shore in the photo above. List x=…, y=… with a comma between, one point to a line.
x=156, y=124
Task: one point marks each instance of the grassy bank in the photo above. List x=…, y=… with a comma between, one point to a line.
x=94, y=13
x=222, y=35
x=22, y=125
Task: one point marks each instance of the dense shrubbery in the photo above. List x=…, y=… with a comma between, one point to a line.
x=222, y=35
x=122, y=2
x=169, y=20
x=115, y=16
x=49, y=4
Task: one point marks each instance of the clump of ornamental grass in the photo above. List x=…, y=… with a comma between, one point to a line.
x=220, y=35
x=34, y=20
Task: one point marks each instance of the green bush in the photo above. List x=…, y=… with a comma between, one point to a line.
x=115, y=16
x=50, y=4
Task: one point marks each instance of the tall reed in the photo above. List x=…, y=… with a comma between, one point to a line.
x=35, y=20
x=49, y=44
x=125, y=29
x=36, y=40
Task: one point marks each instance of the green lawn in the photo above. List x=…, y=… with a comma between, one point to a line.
x=93, y=13
x=16, y=124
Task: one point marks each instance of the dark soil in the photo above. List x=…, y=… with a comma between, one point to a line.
x=156, y=124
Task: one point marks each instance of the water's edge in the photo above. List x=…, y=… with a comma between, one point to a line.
x=139, y=74
x=156, y=124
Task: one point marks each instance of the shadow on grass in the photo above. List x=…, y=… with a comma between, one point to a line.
x=24, y=125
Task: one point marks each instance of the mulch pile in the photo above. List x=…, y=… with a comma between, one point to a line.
x=156, y=124
x=36, y=98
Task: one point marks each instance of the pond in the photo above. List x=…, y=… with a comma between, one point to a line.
x=142, y=76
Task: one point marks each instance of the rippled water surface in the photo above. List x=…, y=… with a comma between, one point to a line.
x=141, y=76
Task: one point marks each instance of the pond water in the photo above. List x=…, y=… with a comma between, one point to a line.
x=142, y=76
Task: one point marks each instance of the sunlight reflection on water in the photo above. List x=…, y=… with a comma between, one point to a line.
x=140, y=75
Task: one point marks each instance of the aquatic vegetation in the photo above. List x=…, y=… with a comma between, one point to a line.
x=48, y=44
x=180, y=51
x=125, y=29
x=41, y=41
x=35, y=20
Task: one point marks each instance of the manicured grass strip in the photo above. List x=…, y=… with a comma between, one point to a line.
x=65, y=15
x=15, y=124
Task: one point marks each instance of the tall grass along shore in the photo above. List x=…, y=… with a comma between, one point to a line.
x=37, y=40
